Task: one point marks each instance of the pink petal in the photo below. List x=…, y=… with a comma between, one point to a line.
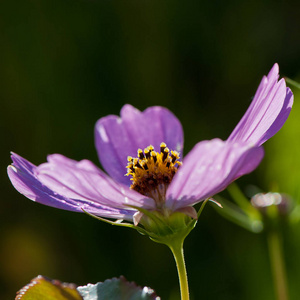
x=267, y=112
x=69, y=185
x=209, y=168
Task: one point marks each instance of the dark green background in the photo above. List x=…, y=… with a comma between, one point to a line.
x=64, y=64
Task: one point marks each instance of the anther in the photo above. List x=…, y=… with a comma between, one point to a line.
x=129, y=158
x=137, y=164
x=141, y=154
x=147, y=153
x=162, y=147
x=174, y=156
x=151, y=148
x=154, y=156
x=130, y=166
x=169, y=160
x=144, y=165
x=166, y=153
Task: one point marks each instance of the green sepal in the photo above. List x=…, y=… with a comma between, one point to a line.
x=166, y=227
x=117, y=223
x=162, y=227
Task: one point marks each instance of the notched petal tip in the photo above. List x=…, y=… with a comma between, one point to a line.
x=13, y=168
x=128, y=108
x=274, y=71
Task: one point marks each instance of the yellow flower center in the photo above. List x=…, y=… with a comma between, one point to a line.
x=152, y=172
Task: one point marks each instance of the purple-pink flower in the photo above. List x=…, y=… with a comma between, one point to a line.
x=162, y=183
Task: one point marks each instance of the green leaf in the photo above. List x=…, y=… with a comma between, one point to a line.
x=116, y=289
x=42, y=288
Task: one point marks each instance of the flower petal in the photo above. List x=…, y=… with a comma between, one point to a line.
x=267, y=113
x=83, y=180
x=70, y=185
x=209, y=168
x=118, y=137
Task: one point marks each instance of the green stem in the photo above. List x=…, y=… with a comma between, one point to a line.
x=277, y=265
x=177, y=250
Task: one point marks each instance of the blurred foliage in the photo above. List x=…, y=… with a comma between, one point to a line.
x=282, y=162
x=65, y=64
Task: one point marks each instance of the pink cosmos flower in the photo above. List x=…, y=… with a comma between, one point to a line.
x=147, y=145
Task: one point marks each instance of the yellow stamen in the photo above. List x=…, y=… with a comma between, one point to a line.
x=152, y=171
